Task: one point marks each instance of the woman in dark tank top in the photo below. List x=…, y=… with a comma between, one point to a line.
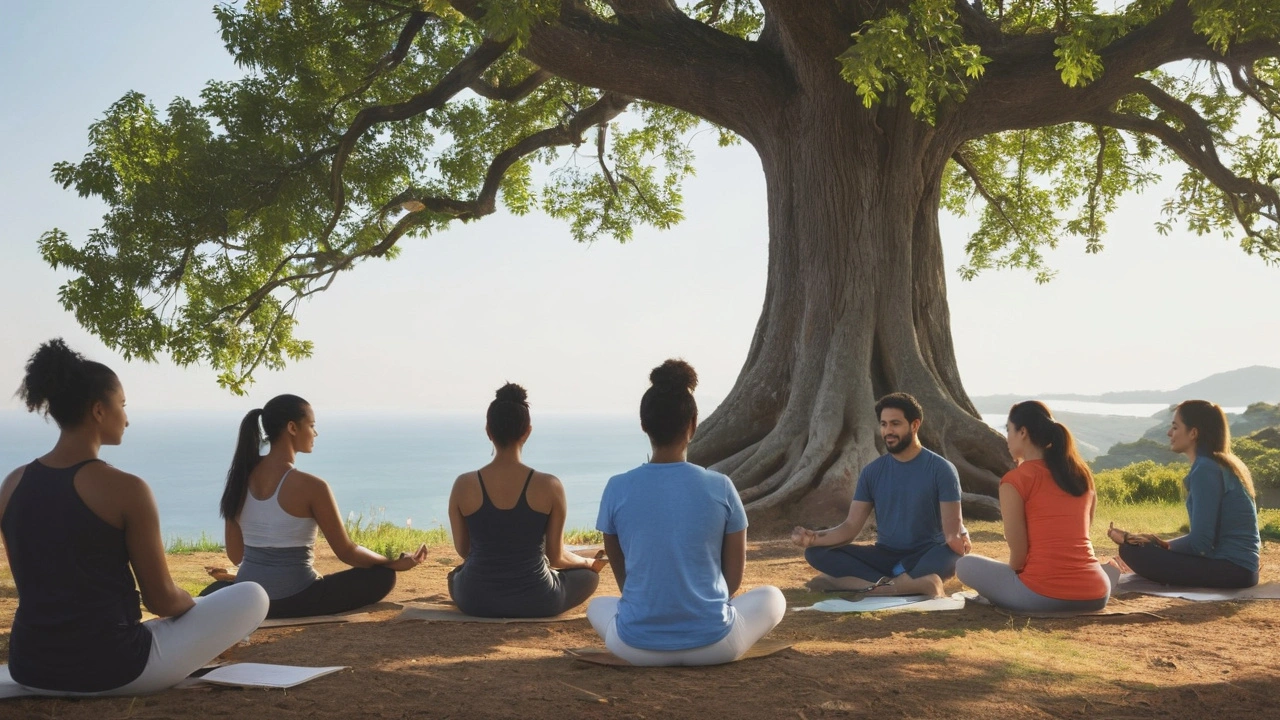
x=508, y=526
x=77, y=532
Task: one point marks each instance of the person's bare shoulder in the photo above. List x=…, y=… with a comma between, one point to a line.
x=9, y=485
x=312, y=485
x=118, y=480
x=546, y=480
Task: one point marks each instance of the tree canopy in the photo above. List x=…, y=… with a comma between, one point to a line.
x=359, y=123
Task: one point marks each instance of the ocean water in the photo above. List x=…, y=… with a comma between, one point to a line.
x=382, y=467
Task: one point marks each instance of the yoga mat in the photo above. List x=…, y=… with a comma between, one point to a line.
x=236, y=674
x=601, y=656
x=433, y=612
x=318, y=620
x=9, y=688
x=887, y=603
x=1133, y=583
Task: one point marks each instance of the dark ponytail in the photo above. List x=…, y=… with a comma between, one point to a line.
x=668, y=406
x=60, y=383
x=508, y=416
x=274, y=417
x=1053, y=438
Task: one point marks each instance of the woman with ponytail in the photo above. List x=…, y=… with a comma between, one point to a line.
x=272, y=512
x=676, y=537
x=77, y=533
x=1047, y=502
x=508, y=527
x=1222, y=545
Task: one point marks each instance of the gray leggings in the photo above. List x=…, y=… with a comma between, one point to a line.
x=997, y=582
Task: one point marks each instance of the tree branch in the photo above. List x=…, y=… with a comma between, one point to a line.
x=457, y=79
x=424, y=208
x=1195, y=146
x=511, y=93
x=1021, y=87
x=667, y=58
x=986, y=194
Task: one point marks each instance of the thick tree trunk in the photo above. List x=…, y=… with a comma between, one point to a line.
x=855, y=307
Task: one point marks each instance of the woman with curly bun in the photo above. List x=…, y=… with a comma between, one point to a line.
x=272, y=511
x=676, y=536
x=77, y=532
x=1047, y=502
x=508, y=527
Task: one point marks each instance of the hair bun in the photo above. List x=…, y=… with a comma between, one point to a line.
x=53, y=369
x=674, y=375
x=512, y=393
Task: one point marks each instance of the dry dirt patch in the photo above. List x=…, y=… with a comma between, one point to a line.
x=1174, y=659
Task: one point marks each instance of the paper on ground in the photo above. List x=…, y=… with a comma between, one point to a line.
x=268, y=676
x=1132, y=582
x=901, y=603
x=239, y=674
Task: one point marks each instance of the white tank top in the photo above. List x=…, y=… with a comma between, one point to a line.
x=263, y=523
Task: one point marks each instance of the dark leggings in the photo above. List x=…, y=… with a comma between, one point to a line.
x=872, y=562
x=570, y=589
x=336, y=593
x=1174, y=568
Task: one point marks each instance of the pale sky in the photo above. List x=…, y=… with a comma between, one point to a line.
x=441, y=327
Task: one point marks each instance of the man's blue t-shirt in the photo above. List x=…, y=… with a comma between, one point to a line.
x=671, y=519
x=906, y=497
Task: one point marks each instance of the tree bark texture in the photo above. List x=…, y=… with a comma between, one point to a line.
x=855, y=307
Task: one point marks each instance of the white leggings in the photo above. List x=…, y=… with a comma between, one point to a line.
x=181, y=645
x=759, y=610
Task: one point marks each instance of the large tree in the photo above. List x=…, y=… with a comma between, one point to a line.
x=362, y=122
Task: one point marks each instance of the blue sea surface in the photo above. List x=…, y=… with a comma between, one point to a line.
x=397, y=468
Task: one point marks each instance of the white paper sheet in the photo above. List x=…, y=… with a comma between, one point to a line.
x=268, y=676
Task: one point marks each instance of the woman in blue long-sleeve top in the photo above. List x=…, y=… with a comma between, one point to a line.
x=1221, y=548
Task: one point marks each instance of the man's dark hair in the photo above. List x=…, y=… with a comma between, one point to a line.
x=901, y=401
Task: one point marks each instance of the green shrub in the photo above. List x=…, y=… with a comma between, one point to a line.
x=1142, y=482
x=1263, y=462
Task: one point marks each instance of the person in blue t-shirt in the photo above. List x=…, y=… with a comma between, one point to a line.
x=1221, y=547
x=676, y=537
x=915, y=494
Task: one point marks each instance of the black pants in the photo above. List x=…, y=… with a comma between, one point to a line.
x=336, y=593
x=480, y=597
x=1173, y=568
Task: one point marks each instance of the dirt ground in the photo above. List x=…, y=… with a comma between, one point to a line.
x=1168, y=659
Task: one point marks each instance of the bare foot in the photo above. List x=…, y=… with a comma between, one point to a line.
x=904, y=584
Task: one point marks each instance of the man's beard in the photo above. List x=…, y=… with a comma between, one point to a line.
x=903, y=443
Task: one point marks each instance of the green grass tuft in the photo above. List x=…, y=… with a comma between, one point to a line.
x=386, y=538
x=187, y=546
x=583, y=536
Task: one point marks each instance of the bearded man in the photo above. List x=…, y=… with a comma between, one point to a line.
x=915, y=494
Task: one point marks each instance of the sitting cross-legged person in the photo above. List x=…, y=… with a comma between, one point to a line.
x=508, y=527
x=676, y=535
x=1221, y=547
x=1047, y=503
x=272, y=512
x=915, y=494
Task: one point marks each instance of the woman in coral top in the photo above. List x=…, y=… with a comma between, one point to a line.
x=1047, y=503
